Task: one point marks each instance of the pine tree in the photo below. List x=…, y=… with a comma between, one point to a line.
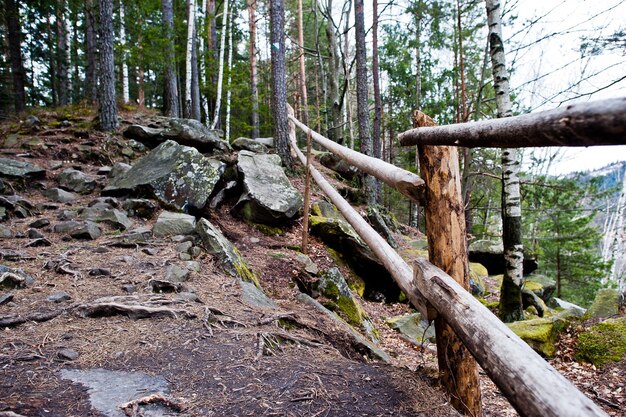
x=107, y=113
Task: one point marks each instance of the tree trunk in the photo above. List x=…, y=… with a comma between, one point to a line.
x=74, y=61
x=170, y=99
x=52, y=72
x=196, y=104
x=61, y=55
x=91, y=72
x=191, y=20
x=15, y=52
x=253, y=68
x=108, y=107
x=230, y=77
x=334, y=130
x=369, y=182
x=445, y=230
x=511, y=308
x=378, y=105
x=305, y=99
x=220, y=76
x=125, y=82
x=279, y=86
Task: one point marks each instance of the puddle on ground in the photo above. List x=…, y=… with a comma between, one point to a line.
x=109, y=389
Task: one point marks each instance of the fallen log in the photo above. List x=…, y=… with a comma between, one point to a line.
x=39, y=316
x=407, y=183
x=580, y=124
x=532, y=386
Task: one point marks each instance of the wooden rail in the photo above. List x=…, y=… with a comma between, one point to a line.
x=531, y=385
x=595, y=123
x=406, y=182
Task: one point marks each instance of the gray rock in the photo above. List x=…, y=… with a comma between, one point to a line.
x=14, y=277
x=104, y=202
x=77, y=181
x=184, y=257
x=66, y=227
x=491, y=255
x=149, y=251
x=99, y=272
x=59, y=195
x=140, y=207
x=68, y=354
x=38, y=224
x=31, y=122
x=176, y=175
x=4, y=215
x=606, y=303
x=38, y=242
x=193, y=266
x=357, y=339
x=118, y=169
x=268, y=196
x=67, y=215
x=380, y=225
x=307, y=264
x=104, y=171
x=129, y=288
x=228, y=256
x=5, y=232
x=19, y=169
x=88, y=231
x=59, y=297
x=269, y=142
x=332, y=161
x=164, y=286
x=34, y=234
x=251, y=145
x=170, y=223
x=6, y=298
x=186, y=132
x=184, y=247
x=175, y=273
x=573, y=309
x=254, y=296
x=187, y=296
x=138, y=236
x=413, y=327
x=225, y=192
x=195, y=251
x=116, y=219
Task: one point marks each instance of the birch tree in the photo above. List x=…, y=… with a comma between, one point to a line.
x=220, y=76
x=254, y=93
x=230, y=78
x=125, y=83
x=511, y=292
x=191, y=19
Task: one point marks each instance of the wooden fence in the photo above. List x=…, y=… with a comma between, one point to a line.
x=532, y=386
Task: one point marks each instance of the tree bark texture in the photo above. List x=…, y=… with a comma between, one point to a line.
x=62, y=66
x=91, y=72
x=279, y=86
x=447, y=249
x=196, y=102
x=335, y=132
x=125, y=81
x=378, y=104
x=220, y=75
x=532, y=386
x=253, y=68
x=363, y=117
x=108, y=107
x=170, y=99
x=595, y=123
x=511, y=308
x=15, y=52
x=191, y=20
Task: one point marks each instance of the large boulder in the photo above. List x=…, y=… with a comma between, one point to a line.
x=413, y=327
x=251, y=145
x=171, y=223
x=186, y=132
x=228, y=256
x=20, y=169
x=491, y=255
x=540, y=334
x=606, y=303
x=268, y=196
x=178, y=176
x=567, y=308
x=331, y=227
x=340, y=166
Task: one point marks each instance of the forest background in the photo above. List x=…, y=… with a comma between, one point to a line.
x=431, y=55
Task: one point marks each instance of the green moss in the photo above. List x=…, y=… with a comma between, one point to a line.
x=351, y=311
x=478, y=269
x=540, y=334
x=356, y=284
x=402, y=298
x=533, y=285
x=244, y=271
x=278, y=255
x=331, y=291
x=603, y=343
x=605, y=304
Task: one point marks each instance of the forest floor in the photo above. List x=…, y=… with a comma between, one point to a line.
x=240, y=363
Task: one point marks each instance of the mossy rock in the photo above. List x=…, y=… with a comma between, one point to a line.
x=413, y=327
x=603, y=342
x=606, y=303
x=478, y=269
x=477, y=285
x=333, y=286
x=540, y=334
x=264, y=228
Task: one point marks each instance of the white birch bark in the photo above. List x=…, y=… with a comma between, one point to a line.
x=511, y=211
x=201, y=57
x=220, y=76
x=228, y=83
x=191, y=18
x=125, y=84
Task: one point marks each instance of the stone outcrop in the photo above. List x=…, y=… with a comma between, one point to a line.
x=491, y=255
x=176, y=175
x=186, y=132
x=20, y=169
x=268, y=196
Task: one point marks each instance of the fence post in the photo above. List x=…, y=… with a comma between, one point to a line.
x=447, y=249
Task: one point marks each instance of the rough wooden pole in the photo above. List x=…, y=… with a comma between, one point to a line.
x=407, y=183
x=595, y=123
x=447, y=249
x=530, y=384
x=401, y=272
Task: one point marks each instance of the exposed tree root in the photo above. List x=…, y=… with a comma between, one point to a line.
x=133, y=408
